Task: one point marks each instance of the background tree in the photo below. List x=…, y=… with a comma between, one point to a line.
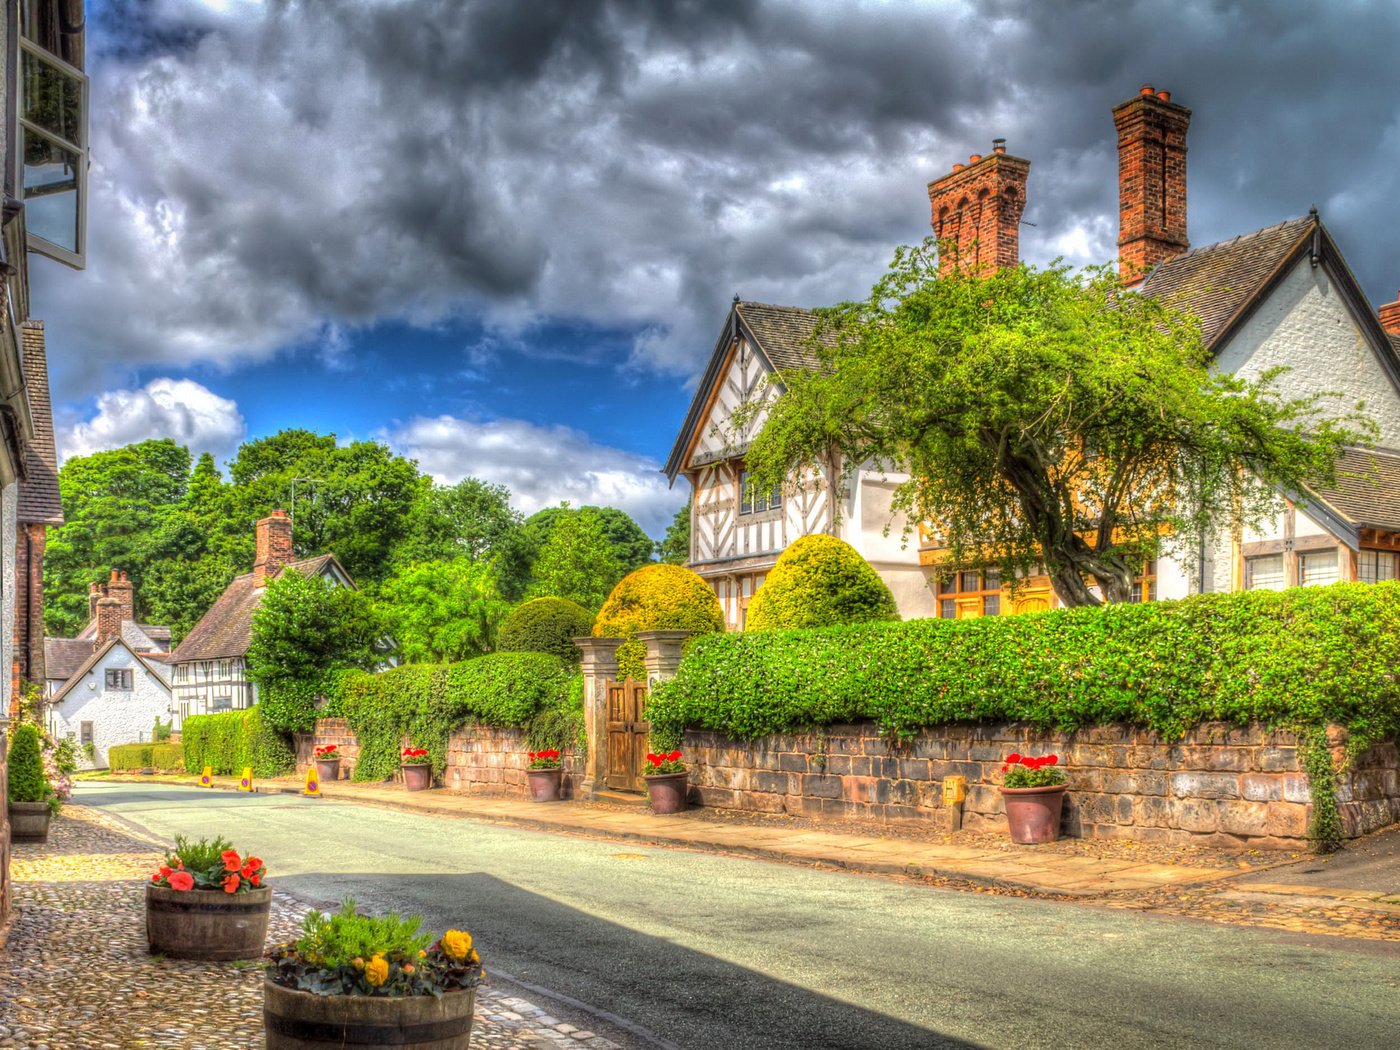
x=443, y=611
x=674, y=548
x=577, y=561
x=1048, y=420
x=471, y=519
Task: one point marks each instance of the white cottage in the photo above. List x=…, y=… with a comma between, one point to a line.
x=115, y=697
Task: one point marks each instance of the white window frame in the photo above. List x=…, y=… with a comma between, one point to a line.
x=77, y=260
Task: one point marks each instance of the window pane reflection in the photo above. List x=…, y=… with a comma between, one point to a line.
x=50, y=189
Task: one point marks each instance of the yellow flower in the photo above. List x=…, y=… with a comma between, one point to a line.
x=457, y=944
x=422, y=954
x=376, y=971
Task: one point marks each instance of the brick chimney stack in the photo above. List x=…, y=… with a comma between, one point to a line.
x=119, y=587
x=1390, y=315
x=109, y=621
x=977, y=206
x=274, y=546
x=1151, y=181
x=95, y=592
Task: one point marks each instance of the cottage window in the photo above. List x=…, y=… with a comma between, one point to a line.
x=967, y=593
x=223, y=703
x=757, y=502
x=1318, y=568
x=184, y=710
x=85, y=733
x=1264, y=572
x=118, y=678
x=1375, y=566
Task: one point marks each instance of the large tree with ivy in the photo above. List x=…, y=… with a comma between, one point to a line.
x=1048, y=421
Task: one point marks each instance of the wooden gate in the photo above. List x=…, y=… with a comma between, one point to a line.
x=627, y=734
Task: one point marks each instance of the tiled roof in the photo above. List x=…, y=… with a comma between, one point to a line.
x=226, y=630
x=157, y=672
x=1215, y=282
x=63, y=656
x=782, y=333
x=1367, y=490
x=144, y=638
x=38, y=498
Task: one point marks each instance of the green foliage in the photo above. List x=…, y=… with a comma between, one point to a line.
x=121, y=757
x=441, y=612
x=27, y=783
x=1048, y=421
x=65, y=756
x=303, y=629
x=160, y=732
x=337, y=940
x=471, y=519
x=546, y=625
x=1325, y=831
x=674, y=548
x=1301, y=657
x=199, y=856
x=577, y=561
x=560, y=726
x=1022, y=776
x=820, y=581
x=230, y=741
x=656, y=598
x=426, y=703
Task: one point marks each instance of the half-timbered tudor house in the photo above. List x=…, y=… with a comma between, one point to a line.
x=1282, y=296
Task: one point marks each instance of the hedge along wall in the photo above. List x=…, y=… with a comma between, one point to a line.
x=423, y=704
x=232, y=740
x=122, y=757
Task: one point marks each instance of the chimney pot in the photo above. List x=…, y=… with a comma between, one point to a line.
x=959, y=167
x=998, y=145
x=1165, y=96
x=1146, y=89
x=974, y=158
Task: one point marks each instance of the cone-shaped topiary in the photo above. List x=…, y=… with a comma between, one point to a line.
x=656, y=598
x=545, y=625
x=27, y=783
x=820, y=581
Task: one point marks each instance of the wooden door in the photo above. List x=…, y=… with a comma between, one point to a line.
x=628, y=731
x=969, y=608
x=1032, y=602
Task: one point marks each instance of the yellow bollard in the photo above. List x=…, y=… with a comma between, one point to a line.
x=246, y=784
x=206, y=779
x=313, y=784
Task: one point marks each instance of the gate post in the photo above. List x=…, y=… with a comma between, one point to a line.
x=663, y=654
x=599, y=667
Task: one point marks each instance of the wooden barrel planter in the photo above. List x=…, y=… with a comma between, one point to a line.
x=207, y=924
x=296, y=1020
x=418, y=777
x=29, y=821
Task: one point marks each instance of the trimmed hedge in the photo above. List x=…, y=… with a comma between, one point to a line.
x=27, y=783
x=656, y=597
x=229, y=741
x=145, y=756
x=1303, y=657
x=427, y=702
x=545, y=625
x=820, y=581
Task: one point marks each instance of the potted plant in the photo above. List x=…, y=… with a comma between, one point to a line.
x=327, y=763
x=667, y=782
x=32, y=801
x=356, y=980
x=545, y=773
x=417, y=768
x=208, y=902
x=1034, y=792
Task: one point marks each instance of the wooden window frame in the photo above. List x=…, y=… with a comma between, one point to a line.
x=771, y=505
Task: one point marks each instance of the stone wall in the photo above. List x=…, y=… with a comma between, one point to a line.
x=1220, y=785
x=480, y=759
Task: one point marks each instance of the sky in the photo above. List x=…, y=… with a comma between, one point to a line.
x=502, y=237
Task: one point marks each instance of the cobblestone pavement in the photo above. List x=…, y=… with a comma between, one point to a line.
x=76, y=975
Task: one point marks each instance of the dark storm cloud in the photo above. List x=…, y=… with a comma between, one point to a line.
x=265, y=174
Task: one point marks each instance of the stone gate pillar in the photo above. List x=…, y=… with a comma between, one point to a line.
x=663, y=654
x=599, y=668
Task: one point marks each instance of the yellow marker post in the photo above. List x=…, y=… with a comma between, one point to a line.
x=954, y=794
x=313, y=784
x=206, y=779
x=246, y=784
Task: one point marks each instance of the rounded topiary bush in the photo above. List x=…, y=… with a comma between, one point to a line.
x=820, y=581
x=27, y=783
x=545, y=625
x=656, y=598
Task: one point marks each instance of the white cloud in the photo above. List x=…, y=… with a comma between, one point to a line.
x=540, y=465
x=182, y=409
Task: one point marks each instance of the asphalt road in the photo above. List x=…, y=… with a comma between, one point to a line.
x=695, y=950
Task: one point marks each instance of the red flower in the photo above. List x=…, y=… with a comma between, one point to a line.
x=1051, y=760
x=1012, y=758
x=251, y=866
x=532, y=755
x=155, y=878
x=654, y=759
x=231, y=860
x=674, y=756
x=1005, y=768
x=256, y=880
x=181, y=880
x=165, y=872
x=231, y=883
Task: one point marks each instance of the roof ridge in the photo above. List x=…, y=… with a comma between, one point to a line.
x=778, y=306
x=1275, y=227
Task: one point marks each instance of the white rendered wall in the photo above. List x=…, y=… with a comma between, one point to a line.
x=10, y=502
x=118, y=716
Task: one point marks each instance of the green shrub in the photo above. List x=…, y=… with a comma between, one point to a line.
x=560, y=727
x=426, y=703
x=545, y=625
x=230, y=741
x=27, y=783
x=819, y=581
x=145, y=756
x=656, y=598
x=1296, y=658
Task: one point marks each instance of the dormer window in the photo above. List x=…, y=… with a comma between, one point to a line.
x=52, y=159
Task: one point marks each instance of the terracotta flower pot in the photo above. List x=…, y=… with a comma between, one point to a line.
x=29, y=821
x=418, y=777
x=668, y=791
x=327, y=769
x=544, y=784
x=296, y=1020
x=207, y=924
x=1033, y=814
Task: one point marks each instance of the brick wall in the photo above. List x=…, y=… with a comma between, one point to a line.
x=1220, y=785
x=328, y=731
